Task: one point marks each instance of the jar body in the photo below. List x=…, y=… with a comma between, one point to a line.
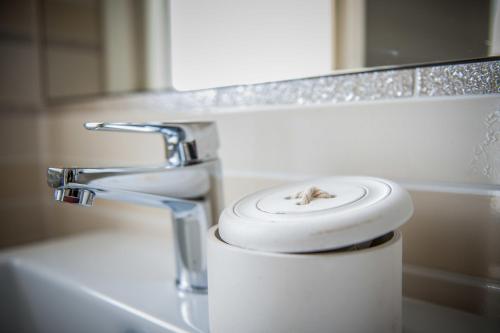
x=336, y=291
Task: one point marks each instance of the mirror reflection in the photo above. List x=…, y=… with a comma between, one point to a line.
x=113, y=46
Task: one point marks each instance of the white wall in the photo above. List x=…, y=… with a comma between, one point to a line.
x=221, y=42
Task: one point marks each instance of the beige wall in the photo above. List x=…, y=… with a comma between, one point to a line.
x=20, y=178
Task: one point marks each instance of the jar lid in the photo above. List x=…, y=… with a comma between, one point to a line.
x=317, y=215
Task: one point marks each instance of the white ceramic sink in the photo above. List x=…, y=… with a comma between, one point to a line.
x=104, y=282
x=33, y=301
x=123, y=282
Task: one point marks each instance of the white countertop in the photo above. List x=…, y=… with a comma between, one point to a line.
x=133, y=272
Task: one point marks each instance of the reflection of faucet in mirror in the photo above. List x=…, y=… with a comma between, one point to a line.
x=188, y=184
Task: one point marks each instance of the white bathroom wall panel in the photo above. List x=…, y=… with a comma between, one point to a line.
x=438, y=139
x=220, y=43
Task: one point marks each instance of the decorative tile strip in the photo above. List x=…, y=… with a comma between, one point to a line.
x=478, y=78
x=444, y=80
x=462, y=79
x=321, y=90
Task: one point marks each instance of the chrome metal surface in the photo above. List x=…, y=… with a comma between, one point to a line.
x=185, y=143
x=188, y=184
x=79, y=196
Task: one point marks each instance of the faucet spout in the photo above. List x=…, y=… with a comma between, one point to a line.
x=192, y=194
x=189, y=185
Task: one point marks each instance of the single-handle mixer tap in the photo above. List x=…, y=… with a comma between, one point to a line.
x=188, y=184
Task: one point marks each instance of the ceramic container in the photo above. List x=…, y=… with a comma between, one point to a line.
x=332, y=265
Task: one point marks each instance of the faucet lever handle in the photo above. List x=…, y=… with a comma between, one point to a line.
x=185, y=142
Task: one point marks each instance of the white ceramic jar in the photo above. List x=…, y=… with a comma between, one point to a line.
x=332, y=265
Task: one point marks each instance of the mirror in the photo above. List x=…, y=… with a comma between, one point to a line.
x=93, y=47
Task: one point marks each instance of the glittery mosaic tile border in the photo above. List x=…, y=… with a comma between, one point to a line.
x=462, y=79
x=313, y=91
x=443, y=80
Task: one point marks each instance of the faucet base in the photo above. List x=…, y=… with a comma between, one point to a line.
x=190, y=288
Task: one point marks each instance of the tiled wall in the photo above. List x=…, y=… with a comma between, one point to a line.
x=20, y=201
x=20, y=178
x=440, y=148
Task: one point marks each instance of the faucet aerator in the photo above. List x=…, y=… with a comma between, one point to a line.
x=82, y=197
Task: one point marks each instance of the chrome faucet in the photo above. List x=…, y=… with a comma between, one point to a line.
x=188, y=183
